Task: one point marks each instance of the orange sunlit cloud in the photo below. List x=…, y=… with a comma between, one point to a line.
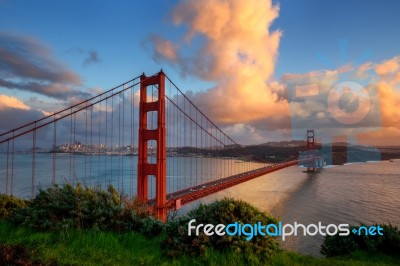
x=388, y=67
x=389, y=96
x=164, y=47
x=239, y=55
x=11, y=102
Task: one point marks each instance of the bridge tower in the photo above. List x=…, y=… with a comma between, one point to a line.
x=311, y=149
x=159, y=135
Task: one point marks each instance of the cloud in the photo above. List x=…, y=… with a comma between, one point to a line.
x=231, y=44
x=237, y=52
x=388, y=86
x=11, y=102
x=25, y=57
x=20, y=116
x=246, y=133
x=45, y=106
x=90, y=56
x=379, y=121
x=386, y=136
x=236, y=37
x=54, y=90
x=163, y=48
x=388, y=66
x=389, y=95
x=26, y=64
x=334, y=102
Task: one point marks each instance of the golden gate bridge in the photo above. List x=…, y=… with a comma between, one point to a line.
x=145, y=137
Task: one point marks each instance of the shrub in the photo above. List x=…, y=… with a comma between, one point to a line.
x=140, y=209
x=338, y=245
x=8, y=204
x=62, y=207
x=150, y=226
x=65, y=207
x=388, y=243
x=225, y=211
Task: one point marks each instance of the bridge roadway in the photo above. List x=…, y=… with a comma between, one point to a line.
x=185, y=196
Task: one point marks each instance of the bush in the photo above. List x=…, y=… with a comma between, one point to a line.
x=150, y=226
x=225, y=211
x=65, y=207
x=388, y=243
x=8, y=204
x=338, y=245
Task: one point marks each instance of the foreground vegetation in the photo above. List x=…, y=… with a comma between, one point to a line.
x=81, y=226
x=91, y=247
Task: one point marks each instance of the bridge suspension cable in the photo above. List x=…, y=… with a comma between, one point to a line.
x=96, y=142
x=83, y=143
x=200, y=151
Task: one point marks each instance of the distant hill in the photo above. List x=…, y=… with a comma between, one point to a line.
x=336, y=153
x=292, y=143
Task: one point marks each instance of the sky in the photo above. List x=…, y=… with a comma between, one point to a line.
x=278, y=66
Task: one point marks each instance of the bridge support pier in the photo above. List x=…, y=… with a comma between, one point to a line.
x=159, y=135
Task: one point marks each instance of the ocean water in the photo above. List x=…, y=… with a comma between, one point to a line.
x=351, y=193
x=17, y=178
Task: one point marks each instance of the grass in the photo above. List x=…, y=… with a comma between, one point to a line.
x=90, y=247
x=355, y=259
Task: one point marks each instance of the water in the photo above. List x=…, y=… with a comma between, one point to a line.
x=101, y=170
x=353, y=193
x=357, y=193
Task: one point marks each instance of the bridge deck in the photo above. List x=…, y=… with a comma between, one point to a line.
x=188, y=195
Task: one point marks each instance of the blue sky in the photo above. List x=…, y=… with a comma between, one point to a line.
x=104, y=43
x=117, y=30
x=311, y=27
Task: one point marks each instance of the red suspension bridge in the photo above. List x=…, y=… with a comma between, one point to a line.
x=145, y=137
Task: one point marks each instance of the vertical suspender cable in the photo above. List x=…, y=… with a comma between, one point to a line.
x=99, y=148
x=8, y=154
x=191, y=148
x=33, y=161
x=70, y=148
x=112, y=138
x=76, y=146
x=131, y=152
x=185, y=175
x=123, y=138
x=86, y=141
x=12, y=163
x=53, y=180
x=91, y=143
x=119, y=143
x=106, y=146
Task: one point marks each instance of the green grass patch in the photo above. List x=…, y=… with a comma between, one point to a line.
x=354, y=259
x=84, y=247
x=91, y=247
